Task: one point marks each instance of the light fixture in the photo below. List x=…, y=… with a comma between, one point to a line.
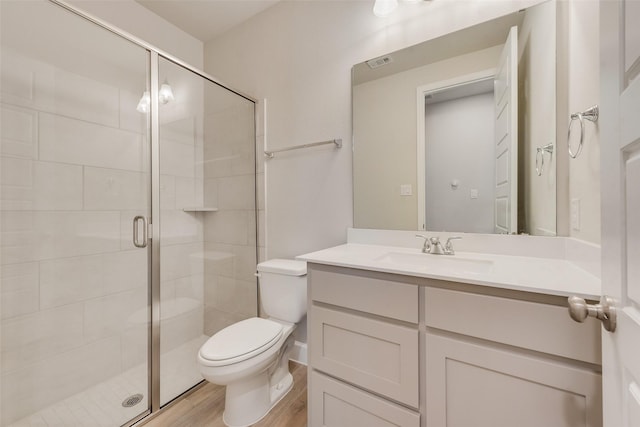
x=144, y=103
x=166, y=94
x=382, y=8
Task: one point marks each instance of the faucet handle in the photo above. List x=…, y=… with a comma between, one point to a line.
x=426, y=246
x=448, y=247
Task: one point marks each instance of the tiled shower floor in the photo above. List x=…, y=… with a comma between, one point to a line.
x=101, y=405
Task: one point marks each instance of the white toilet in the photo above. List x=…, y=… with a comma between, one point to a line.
x=251, y=357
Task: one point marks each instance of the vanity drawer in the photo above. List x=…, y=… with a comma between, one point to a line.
x=379, y=356
x=536, y=326
x=336, y=404
x=374, y=293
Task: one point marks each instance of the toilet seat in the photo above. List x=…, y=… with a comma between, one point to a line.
x=240, y=341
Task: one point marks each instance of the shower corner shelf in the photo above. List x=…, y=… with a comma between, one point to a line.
x=200, y=209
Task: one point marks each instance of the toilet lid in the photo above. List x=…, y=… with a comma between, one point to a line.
x=241, y=340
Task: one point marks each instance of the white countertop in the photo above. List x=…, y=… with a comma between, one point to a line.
x=521, y=273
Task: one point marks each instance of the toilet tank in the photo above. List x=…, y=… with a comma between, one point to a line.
x=283, y=289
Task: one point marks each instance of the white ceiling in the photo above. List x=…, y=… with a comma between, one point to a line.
x=206, y=19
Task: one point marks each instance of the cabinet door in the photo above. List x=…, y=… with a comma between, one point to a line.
x=335, y=404
x=379, y=356
x=476, y=385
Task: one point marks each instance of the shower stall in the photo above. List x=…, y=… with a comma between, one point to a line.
x=127, y=219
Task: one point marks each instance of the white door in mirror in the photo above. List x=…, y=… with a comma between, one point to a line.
x=506, y=137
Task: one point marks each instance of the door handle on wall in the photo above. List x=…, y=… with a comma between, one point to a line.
x=136, y=221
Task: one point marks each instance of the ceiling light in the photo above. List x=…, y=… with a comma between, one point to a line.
x=165, y=95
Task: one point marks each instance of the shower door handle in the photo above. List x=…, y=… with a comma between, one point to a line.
x=136, y=234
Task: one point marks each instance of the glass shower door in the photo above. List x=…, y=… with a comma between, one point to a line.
x=207, y=218
x=75, y=173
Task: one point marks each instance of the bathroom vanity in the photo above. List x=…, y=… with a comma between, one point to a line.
x=397, y=337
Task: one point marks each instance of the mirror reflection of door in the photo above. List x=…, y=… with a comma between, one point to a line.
x=506, y=137
x=470, y=161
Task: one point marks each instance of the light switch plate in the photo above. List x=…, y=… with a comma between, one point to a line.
x=473, y=193
x=406, y=190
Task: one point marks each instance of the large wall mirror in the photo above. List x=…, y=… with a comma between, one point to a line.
x=458, y=133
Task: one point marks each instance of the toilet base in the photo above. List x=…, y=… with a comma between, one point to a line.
x=250, y=401
x=256, y=385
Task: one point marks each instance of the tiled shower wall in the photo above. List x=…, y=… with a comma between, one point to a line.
x=181, y=231
x=230, y=233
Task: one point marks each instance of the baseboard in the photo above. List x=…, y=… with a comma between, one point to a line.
x=299, y=352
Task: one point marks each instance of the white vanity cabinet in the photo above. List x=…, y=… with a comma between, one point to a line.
x=364, y=352
x=395, y=350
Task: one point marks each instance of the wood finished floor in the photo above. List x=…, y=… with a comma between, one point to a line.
x=204, y=407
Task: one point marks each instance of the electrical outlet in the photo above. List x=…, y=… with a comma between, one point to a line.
x=575, y=214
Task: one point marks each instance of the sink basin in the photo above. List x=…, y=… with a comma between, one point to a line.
x=444, y=263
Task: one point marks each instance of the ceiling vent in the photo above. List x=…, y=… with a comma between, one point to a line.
x=379, y=62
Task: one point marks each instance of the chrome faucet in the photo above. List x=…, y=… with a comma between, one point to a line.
x=432, y=245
